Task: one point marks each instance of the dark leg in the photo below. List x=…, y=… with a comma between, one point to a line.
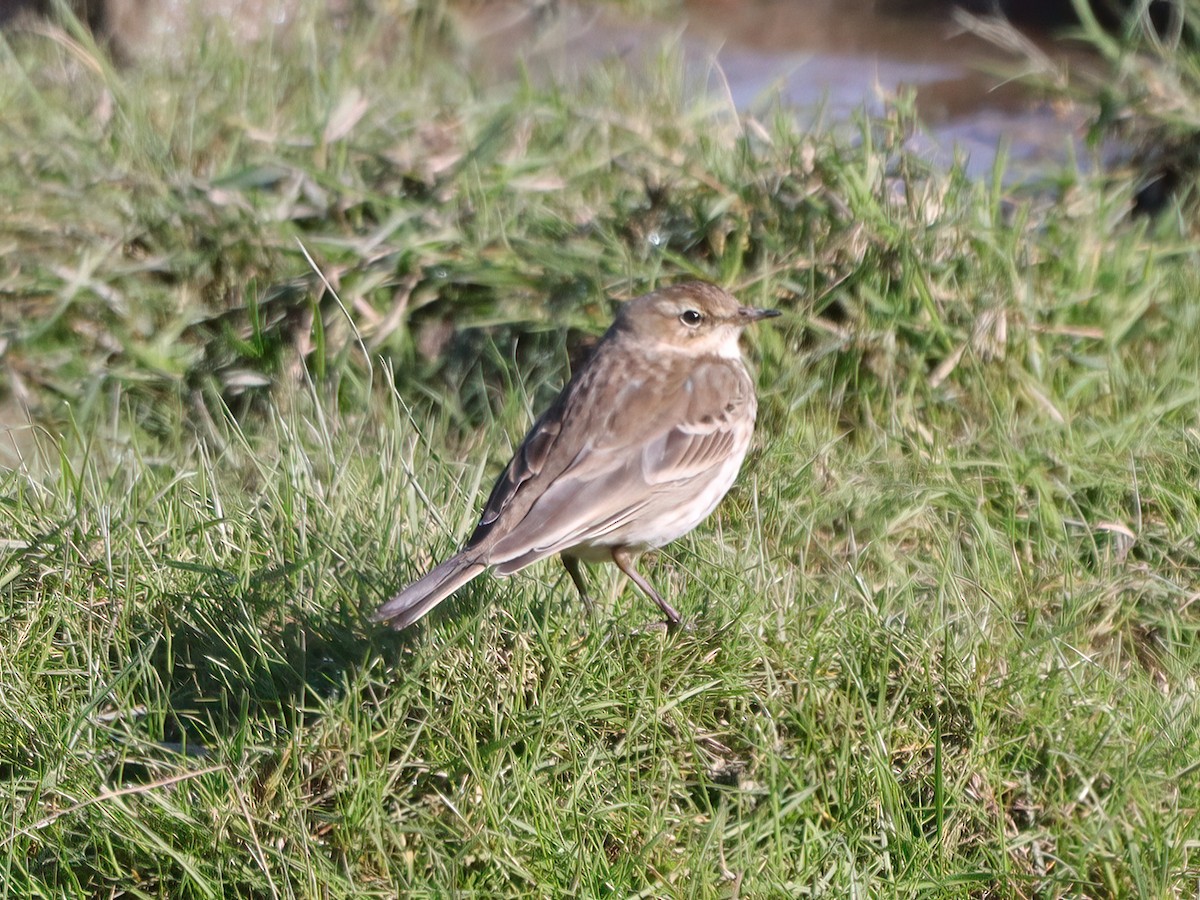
x=572, y=566
x=624, y=560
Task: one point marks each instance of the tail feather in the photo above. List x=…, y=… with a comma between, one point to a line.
x=427, y=592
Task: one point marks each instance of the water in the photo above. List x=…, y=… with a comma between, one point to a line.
x=827, y=61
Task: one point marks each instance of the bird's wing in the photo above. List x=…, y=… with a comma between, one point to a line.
x=556, y=427
x=713, y=408
x=660, y=431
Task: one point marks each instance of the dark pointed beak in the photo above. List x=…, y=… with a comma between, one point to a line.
x=751, y=314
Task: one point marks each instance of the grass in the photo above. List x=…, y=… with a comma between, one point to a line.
x=946, y=637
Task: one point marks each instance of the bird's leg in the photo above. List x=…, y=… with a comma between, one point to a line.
x=571, y=563
x=624, y=560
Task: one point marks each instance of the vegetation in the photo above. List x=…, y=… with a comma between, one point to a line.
x=272, y=321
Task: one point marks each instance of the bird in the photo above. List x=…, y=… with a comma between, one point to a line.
x=638, y=449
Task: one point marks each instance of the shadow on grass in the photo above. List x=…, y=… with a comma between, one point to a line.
x=239, y=662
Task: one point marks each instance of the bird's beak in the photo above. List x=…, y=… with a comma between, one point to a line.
x=751, y=314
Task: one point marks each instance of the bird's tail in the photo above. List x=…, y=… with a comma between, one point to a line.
x=427, y=592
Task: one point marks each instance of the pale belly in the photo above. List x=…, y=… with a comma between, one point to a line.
x=675, y=510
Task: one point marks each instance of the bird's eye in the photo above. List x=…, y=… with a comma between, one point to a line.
x=690, y=318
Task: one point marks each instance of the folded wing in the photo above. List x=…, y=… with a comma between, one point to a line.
x=672, y=427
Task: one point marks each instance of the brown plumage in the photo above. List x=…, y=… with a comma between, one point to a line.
x=637, y=450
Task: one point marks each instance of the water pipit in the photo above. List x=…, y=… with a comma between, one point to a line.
x=637, y=450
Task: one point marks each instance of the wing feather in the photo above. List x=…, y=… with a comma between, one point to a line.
x=672, y=431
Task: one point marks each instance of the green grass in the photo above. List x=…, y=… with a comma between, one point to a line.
x=946, y=623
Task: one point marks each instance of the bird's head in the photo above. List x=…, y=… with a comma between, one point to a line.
x=695, y=317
